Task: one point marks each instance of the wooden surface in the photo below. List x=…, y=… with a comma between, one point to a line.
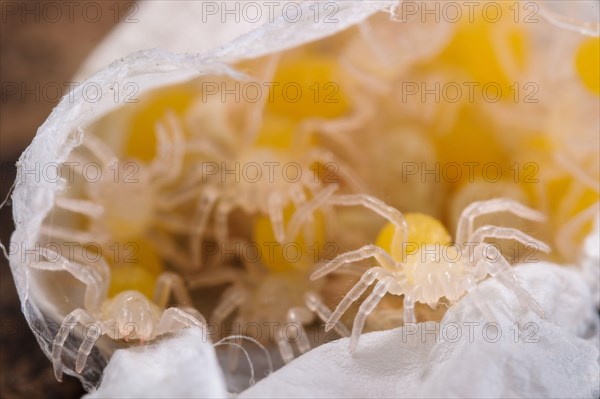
x=37, y=50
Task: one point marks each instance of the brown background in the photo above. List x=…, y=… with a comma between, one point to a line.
x=39, y=50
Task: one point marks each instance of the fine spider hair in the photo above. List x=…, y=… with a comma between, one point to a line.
x=425, y=275
x=128, y=316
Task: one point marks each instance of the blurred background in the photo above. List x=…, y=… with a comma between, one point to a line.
x=39, y=51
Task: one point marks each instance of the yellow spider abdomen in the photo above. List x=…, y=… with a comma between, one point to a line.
x=297, y=254
x=422, y=230
x=308, y=87
x=134, y=266
x=587, y=63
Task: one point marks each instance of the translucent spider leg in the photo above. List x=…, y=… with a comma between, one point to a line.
x=368, y=251
x=168, y=164
x=298, y=198
x=170, y=283
x=230, y=300
x=72, y=235
x=367, y=307
x=478, y=208
x=472, y=292
x=337, y=129
x=78, y=316
x=391, y=214
x=222, y=219
x=375, y=44
x=315, y=304
x=96, y=281
x=300, y=317
x=409, y=309
x=83, y=207
x=93, y=333
x=339, y=169
x=366, y=79
x=370, y=276
x=101, y=151
x=95, y=277
x=499, y=268
x=254, y=117
x=204, y=209
x=216, y=276
x=285, y=349
x=275, y=203
x=507, y=233
x=173, y=319
x=305, y=211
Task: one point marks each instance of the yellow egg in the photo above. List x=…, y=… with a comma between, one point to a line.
x=135, y=265
x=551, y=189
x=131, y=277
x=298, y=254
x=483, y=49
x=587, y=63
x=141, y=141
x=306, y=87
x=275, y=132
x=472, y=147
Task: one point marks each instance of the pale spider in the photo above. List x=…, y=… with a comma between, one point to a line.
x=277, y=305
x=128, y=199
x=128, y=316
x=423, y=273
x=285, y=158
x=272, y=290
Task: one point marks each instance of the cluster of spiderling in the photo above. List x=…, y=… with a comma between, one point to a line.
x=249, y=189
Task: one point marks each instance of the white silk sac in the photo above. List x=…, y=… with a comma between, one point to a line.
x=46, y=301
x=464, y=355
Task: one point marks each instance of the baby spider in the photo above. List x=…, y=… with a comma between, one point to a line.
x=416, y=258
x=124, y=200
x=127, y=316
x=273, y=308
x=277, y=159
x=272, y=292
